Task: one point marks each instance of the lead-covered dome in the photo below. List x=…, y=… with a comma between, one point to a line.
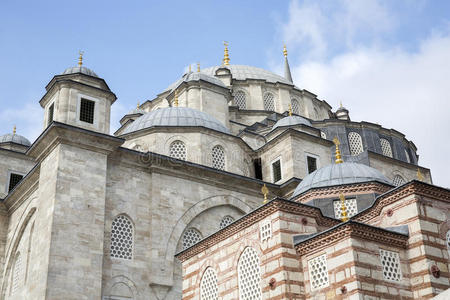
x=83, y=70
x=15, y=138
x=176, y=117
x=291, y=121
x=337, y=174
x=196, y=76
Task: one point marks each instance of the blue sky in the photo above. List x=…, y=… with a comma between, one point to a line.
x=388, y=61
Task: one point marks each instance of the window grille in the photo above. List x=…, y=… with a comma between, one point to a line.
x=14, y=179
x=323, y=135
x=391, y=265
x=227, y=220
x=50, y=113
x=355, y=143
x=87, y=111
x=249, y=275
x=350, y=205
x=386, y=147
x=266, y=230
x=295, y=106
x=276, y=171
x=122, y=238
x=269, y=102
x=218, y=157
x=208, y=286
x=408, y=159
x=17, y=273
x=448, y=240
x=191, y=237
x=178, y=150
x=398, y=180
x=239, y=99
x=312, y=164
x=318, y=272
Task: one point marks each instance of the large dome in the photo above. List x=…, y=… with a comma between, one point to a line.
x=83, y=70
x=15, y=138
x=242, y=72
x=291, y=121
x=176, y=117
x=337, y=174
x=196, y=76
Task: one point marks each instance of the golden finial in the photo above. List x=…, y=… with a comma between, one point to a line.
x=190, y=68
x=419, y=175
x=284, y=51
x=340, y=102
x=265, y=192
x=290, y=110
x=338, y=152
x=80, y=58
x=175, y=98
x=198, y=67
x=344, y=216
x=137, y=106
x=226, y=57
x=14, y=129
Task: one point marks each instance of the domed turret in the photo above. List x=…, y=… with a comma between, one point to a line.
x=14, y=141
x=291, y=121
x=84, y=70
x=342, y=113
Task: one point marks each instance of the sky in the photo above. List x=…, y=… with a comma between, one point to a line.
x=387, y=61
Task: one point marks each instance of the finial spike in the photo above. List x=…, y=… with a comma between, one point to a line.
x=287, y=68
x=265, y=192
x=80, y=58
x=226, y=57
x=175, y=100
x=138, y=104
x=14, y=129
x=344, y=216
x=198, y=67
x=190, y=68
x=338, y=152
x=284, y=51
x=340, y=102
x=290, y=110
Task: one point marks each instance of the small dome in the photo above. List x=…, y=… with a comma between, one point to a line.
x=337, y=174
x=176, y=117
x=196, y=76
x=136, y=111
x=83, y=70
x=15, y=138
x=291, y=121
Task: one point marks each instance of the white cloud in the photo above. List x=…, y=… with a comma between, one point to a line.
x=28, y=120
x=386, y=84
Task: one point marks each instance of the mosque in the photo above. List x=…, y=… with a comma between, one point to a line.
x=232, y=183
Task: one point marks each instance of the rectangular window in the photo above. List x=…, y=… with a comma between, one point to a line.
x=318, y=272
x=87, y=111
x=276, y=171
x=258, y=168
x=14, y=179
x=390, y=261
x=265, y=230
x=312, y=164
x=350, y=206
x=50, y=114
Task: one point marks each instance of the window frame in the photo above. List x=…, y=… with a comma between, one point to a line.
x=279, y=158
x=349, y=143
x=96, y=101
x=273, y=101
x=224, y=157
x=133, y=238
x=51, y=108
x=245, y=98
x=10, y=172
x=316, y=157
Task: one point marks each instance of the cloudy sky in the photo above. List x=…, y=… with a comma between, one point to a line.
x=387, y=61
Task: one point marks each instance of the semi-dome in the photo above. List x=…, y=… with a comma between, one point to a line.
x=243, y=72
x=15, y=138
x=176, y=117
x=291, y=121
x=83, y=70
x=337, y=174
x=196, y=76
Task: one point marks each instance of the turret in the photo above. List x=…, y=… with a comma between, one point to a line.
x=78, y=97
x=342, y=113
x=287, y=69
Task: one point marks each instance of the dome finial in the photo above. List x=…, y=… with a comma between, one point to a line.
x=80, y=58
x=14, y=129
x=226, y=57
x=138, y=104
x=190, y=70
x=265, y=192
x=338, y=152
x=175, y=98
x=284, y=50
x=198, y=67
x=344, y=216
x=290, y=110
x=340, y=103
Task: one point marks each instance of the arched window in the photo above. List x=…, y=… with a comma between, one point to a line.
x=386, y=147
x=269, y=102
x=249, y=275
x=178, y=150
x=398, y=180
x=208, y=286
x=295, y=106
x=191, y=237
x=227, y=220
x=239, y=99
x=218, y=157
x=122, y=238
x=448, y=240
x=16, y=274
x=355, y=143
